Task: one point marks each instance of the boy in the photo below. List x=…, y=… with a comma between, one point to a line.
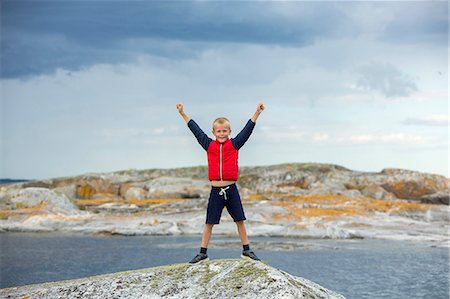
x=223, y=174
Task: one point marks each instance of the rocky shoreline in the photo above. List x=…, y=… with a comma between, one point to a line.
x=288, y=200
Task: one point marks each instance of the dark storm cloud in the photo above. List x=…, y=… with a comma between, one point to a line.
x=40, y=36
x=418, y=22
x=102, y=23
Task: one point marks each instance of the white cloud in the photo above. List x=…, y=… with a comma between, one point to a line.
x=337, y=138
x=136, y=132
x=394, y=138
x=319, y=137
x=433, y=120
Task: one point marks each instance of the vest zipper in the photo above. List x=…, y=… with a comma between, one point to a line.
x=220, y=166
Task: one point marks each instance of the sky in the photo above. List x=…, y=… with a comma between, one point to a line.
x=92, y=86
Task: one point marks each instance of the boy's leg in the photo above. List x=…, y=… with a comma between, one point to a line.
x=246, y=252
x=202, y=256
x=236, y=210
x=213, y=213
x=242, y=232
x=207, y=231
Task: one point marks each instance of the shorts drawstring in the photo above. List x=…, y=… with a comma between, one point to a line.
x=223, y=192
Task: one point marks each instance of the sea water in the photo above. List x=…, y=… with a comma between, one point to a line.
x=354, y=268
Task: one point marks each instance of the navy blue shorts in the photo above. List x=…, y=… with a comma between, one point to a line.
x=221, y=197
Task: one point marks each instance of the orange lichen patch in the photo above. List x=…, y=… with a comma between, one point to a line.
x=153, y=200
x=279, y=216
x=255, y=197
x=93, y=202
x=96, y=202
x=265, y=196
x=379, y=205
x=411, y=189
x=300, y=225
x=104, y=195
x=5, y=214
x=319, y=199
x=320, y=212
x=20, y=205
x=85, y=191
x=284, y=204
x=330, y=206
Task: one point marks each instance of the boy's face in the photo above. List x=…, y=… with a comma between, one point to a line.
x=221, y=132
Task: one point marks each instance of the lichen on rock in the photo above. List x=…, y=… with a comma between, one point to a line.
x=227, y=278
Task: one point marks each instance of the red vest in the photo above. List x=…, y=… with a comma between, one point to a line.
x=222, y=161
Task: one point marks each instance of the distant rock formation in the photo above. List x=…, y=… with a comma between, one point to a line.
x=294, y=178
x=315, y=178
x=228, y=278
x=308, y=200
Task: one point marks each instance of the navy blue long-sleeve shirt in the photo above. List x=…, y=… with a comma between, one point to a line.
x=237, y=142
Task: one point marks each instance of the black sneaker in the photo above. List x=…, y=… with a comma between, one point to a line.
x=199, y=258
x=249, y=255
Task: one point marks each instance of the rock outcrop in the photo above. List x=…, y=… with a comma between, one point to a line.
x=49, y=200
x=229, y=278
x=293, y=178
x=315, y=178
x=308, y=200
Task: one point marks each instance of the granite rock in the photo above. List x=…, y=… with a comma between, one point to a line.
x=228, y=278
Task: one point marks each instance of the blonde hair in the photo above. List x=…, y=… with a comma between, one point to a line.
x=221, y=121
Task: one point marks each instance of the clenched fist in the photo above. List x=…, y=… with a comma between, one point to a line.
x=180, y=107
x=260, y=107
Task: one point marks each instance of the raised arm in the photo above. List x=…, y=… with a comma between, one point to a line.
x=202, y=138
x=245, y=133
x=259, y=109
x=180, y=110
